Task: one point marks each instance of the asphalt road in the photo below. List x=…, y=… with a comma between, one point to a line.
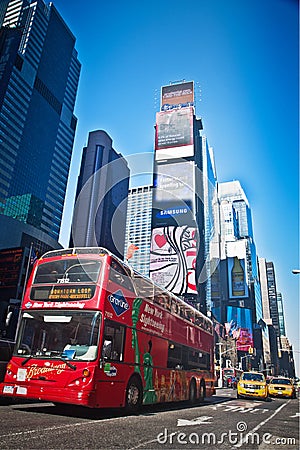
x=223, y=421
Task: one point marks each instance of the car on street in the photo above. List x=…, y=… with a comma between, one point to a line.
x=281, y=387
x=252, y=384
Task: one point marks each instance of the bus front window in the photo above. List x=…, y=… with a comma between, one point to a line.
x=63, y=271
x=59, y=334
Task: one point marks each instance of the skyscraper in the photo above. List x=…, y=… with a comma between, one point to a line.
x=100, y=210
x=39, y=74
x=177, y=257
x=239, y=270
x=268, y=287
x=281, y=314
x=138, y=228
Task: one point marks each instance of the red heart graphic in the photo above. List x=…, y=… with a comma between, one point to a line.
x=160, y=240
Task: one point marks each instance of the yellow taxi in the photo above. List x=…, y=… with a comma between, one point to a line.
x=281, y=387
x=252, y=384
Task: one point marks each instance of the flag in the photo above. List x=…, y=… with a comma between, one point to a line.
x=33, y=256
x=131, y=250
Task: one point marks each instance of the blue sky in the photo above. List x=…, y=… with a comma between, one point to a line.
x=243, y=57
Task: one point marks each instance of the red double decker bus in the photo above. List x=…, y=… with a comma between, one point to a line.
x=95, y=333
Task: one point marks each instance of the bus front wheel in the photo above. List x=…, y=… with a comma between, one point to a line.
x=133, y=395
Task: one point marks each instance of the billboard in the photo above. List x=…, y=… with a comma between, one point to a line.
x=237, y=278
x=239, y=325
x=173, y=258
x=174, y=190
x=177, y=95
x=174, y=134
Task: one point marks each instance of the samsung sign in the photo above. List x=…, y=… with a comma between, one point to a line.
x=172, y=212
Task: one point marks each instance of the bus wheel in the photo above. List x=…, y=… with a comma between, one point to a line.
x=192, y=393
x=133, y=395
x=202, y=392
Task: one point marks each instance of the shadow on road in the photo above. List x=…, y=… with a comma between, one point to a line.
x=108, y=413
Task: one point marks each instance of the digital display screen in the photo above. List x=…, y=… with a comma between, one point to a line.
x=62, y=293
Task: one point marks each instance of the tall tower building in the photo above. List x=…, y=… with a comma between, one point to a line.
x=272, y=292
x=268, y=287
x=100, y=210
x=281, y=314
x=241, y=301
x=177, y=257
x=39, y=74
x=138, y=228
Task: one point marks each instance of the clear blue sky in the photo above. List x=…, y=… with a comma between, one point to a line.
x=243, y=56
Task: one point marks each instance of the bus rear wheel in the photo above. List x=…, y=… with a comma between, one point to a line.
x=192, y=393
x=133, y=395
x=202, y=392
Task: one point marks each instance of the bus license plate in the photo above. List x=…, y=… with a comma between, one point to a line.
x=8, y=390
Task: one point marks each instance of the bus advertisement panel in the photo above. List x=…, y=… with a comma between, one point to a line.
x=95, y=333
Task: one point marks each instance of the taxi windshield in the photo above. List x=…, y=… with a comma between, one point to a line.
x=280, y=381
x=58, y=334
x=253, y=377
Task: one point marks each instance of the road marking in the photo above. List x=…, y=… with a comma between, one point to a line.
x=249, y=433
x=296, y=415
x=241, y=408
x=197, y=421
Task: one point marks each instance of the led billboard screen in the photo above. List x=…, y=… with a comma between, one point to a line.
x=173, y=258
x=174, y=134
x=237, y=278
x=239, y=324
x=174, y=181
x=177, y=95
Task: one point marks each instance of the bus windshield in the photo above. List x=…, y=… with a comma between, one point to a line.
x=59, y=334
x=73, y=270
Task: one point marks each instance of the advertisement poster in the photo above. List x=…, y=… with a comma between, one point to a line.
x=239, y=324
x=174, y=134
x=177, y=95
x=237, y=278
x=173, y=258
x=174, y=181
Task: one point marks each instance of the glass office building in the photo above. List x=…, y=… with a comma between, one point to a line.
x=138, y=228
x=39, y=74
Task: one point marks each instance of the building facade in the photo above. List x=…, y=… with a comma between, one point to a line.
x=238, y=302
x=268, y=287
x=39, y=74
x=177, y=256
x=100, y=210
x=138, y=228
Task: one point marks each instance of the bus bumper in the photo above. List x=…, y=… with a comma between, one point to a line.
x=49, y=394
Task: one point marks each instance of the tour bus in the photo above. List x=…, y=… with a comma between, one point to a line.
x=96, y=333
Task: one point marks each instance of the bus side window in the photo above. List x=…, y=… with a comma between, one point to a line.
x=119, y=275
x=113, y=342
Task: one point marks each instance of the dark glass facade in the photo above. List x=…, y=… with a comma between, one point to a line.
x=100, y=210
x=39, y=74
